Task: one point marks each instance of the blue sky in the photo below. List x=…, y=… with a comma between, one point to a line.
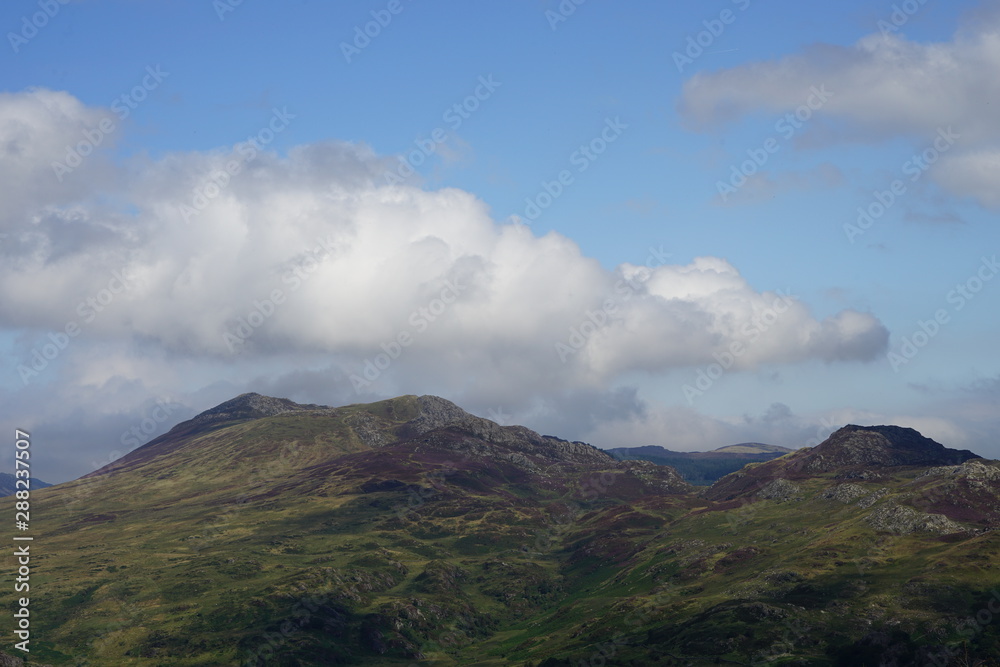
x=546, y=87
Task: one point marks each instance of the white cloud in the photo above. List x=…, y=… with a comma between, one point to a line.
x=882, y=87
x=887, y=84
x=357, y=265
x=975, y=174
x=38, y=128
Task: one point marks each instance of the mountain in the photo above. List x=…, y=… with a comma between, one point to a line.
x=267, y=532
x=8, y=484
x=753, y=448
x=703, y=468
x=852, y=452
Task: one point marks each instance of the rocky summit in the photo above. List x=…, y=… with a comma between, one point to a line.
x=879, y=446
x=409, y=531
x=864, y=452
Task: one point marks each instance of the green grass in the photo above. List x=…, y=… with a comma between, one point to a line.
x=196, y=557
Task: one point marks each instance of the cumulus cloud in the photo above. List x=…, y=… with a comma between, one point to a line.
x=975, y=174
x=881, y=87
x=38, y=129
x=308, y=252
x=884, y=83
x=171, y=273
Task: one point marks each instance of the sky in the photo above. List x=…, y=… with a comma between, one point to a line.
x=624, y=223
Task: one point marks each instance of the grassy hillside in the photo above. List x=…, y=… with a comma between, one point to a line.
x=406, y=530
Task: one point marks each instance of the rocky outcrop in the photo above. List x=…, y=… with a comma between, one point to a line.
x=438, y=414
x=251, y=406
x=849, y=493
x=780, y=489
x=862, y=453
x=975, y=469
x=662, y=478
x=902, y=520
x=878, y=446
x=371, y=430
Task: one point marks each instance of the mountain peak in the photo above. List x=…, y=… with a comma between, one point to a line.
x=245, y=407
x=881, y=445
x=248, y=406
x=850, y=452
x=252, y=405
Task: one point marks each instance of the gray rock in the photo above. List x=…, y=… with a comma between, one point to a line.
x=845, y=493
x=780, y=489
x=902, y=520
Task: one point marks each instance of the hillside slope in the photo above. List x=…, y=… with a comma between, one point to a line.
x=265, y=532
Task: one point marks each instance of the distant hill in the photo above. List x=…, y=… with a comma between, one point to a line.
x=703, y=468
x=852, y=452
x=7, y=484
x=754, y=448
